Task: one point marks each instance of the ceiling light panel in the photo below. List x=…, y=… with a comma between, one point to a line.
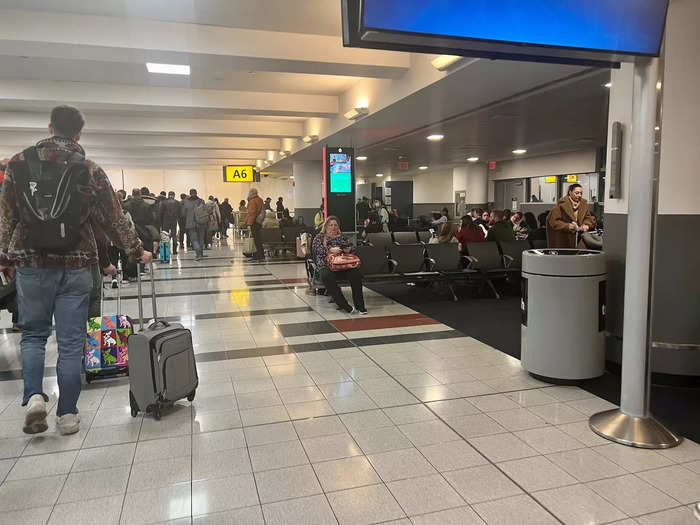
x=168, y=69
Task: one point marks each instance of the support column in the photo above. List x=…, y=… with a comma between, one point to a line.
x=472, y=179
x=632, y=424
x=308, y=179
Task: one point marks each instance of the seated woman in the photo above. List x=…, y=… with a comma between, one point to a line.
x=448, y=233
x=270, y=220
x=330, y=241
x=469, y=232
x=527, y=226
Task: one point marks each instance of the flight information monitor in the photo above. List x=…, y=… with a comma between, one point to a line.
x=341, y=172
x=568, y=31
x=339, y=185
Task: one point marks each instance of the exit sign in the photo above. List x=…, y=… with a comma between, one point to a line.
x=403, y=165
x=492, y=165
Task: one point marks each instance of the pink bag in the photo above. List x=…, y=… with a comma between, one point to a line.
x=342, y=261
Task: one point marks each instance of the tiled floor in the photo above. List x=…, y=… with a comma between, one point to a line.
x=307, y=415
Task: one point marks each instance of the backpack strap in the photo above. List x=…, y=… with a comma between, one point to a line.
x=31, y=157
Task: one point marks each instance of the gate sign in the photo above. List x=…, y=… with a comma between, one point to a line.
x=238, y=173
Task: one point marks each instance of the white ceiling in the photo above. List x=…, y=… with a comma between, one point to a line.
x=321, y=17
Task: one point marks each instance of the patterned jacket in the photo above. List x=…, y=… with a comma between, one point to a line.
x=103, y=210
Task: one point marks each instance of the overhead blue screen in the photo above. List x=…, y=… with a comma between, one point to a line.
x=629, y=27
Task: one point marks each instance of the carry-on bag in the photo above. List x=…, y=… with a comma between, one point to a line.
x=162, y=364
x=106, y=352
x=164, y=251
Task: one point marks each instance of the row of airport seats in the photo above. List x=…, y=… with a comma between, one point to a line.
x=481, y=265
x=282, y=238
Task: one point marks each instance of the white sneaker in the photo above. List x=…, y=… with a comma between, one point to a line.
x=68, y=423
x=35, y=418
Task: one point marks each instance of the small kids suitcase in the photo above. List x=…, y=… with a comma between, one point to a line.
x=106, y=352
x=163, y=367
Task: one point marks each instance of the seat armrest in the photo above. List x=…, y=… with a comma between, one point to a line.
x=507, y=261
x=471, y=260
x=431, y=263
x=393, y=264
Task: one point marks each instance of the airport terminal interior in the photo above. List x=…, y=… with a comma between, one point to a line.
x=474, y=385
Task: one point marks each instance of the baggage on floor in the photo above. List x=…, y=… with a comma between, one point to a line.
x=106, y=352
x=164, y=251
x=163, y=368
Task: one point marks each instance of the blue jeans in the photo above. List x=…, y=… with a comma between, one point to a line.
x=196, y=236
x=63, y=294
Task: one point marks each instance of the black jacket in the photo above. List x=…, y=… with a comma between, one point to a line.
x=169, y=211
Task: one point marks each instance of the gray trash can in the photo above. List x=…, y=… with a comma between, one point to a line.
x=563, y=313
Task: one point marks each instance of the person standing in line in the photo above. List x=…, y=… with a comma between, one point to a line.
x=226, y=215
x=169, y=215
x=268, y=204
x=280, y=208
x=195, y=231
x=254, y=218
x=181, y=221
x=383, y=215
x=569, y=216
x=56, y=283
x=214, y=221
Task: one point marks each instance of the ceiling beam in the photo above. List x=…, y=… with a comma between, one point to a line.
x=88, y=95
x=143, y=142
x=26, y=121
x=129, y=40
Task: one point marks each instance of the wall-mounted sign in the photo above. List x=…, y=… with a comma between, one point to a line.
x=403, y=165
x=492, y=165
x=572, y=178
x=550, y=179
x=238, y=173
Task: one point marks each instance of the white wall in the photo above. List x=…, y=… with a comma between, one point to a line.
x=206, y=182
x=433, y=186
x=555, y=164
x=473, y=179
x=680, y=154
x=308, y=180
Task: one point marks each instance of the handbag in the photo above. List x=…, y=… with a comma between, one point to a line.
x=249, y=245
x=342, y=261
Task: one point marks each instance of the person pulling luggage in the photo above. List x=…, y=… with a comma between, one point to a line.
x=51, y=195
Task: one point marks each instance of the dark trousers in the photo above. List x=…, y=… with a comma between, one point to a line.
x=330, y=280
x=256, y=232
x=181, y=225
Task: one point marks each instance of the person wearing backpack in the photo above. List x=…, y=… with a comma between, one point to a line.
x=254, y=220
x=169, y=215
x=196, y=220
x=52, y=194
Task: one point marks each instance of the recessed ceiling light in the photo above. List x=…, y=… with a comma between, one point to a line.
x=473, y=159
x=659, y=85
x=361, y=157
x=435, y=138
x=519, y=151
x=657, y=128
x=168, y=69
x=422, y=167
x=607, y=85
x=380, y=174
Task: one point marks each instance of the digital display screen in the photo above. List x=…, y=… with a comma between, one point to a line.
x=630, y=27
x=341, y=172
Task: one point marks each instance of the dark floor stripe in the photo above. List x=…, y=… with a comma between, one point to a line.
x=286, y=349
x=204, y=292
x=199, y=278
x=310, y=328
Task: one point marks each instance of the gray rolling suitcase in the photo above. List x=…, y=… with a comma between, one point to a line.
x=162, y=367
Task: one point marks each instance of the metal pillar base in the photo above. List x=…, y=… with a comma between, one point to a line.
x=642, y=432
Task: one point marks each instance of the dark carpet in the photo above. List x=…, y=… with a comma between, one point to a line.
x=497, y=323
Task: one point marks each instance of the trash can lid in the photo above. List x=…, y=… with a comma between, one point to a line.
x=562, y=262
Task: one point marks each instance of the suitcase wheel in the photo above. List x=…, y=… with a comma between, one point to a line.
x=134, y=404
x=190, y=396
x=156, y=411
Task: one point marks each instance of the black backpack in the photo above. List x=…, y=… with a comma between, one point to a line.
x=51, y=198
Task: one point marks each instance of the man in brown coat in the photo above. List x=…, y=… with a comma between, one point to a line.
x=570, y=215
x=255, y=207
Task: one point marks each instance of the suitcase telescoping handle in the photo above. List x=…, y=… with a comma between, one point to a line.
x=140, y=296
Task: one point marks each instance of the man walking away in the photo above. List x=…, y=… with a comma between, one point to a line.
x=195, y=230
x=51, y=255
x=280, y=208
x=169, y=215
x=570, y=216
x=254, y=220
x=214, y=220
